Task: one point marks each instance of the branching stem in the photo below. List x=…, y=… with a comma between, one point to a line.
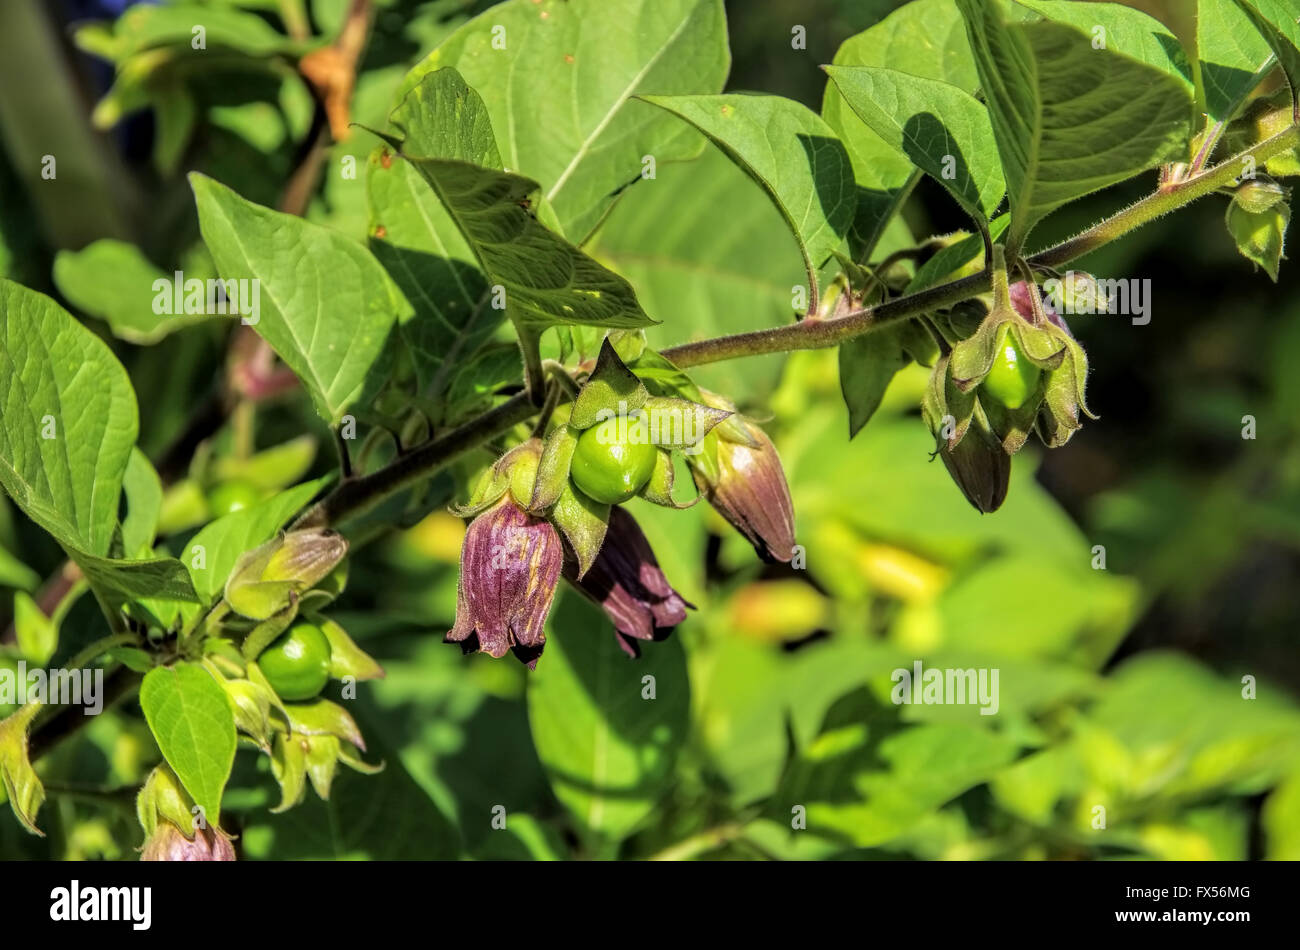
x=354, y=496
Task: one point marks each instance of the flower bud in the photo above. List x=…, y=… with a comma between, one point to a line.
x=979, y=465
x=625, y=581
x=509, y=566
x=1258, y=195
x=747, y=485
x=168, y=843
x=970, y=451
x=269, y=578
x=164, y=808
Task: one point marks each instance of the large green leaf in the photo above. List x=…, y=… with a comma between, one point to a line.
x=190, y=716
x=1123, y=30
x=69, y=420
x=942, y=129
x=1234, y=57
x=326, y=305
x=924, y=38
x=792, y=154
x=546, y=280
x=706, y=274
x=1069, y=119
x=224, y=540
x=1279, y=23
x=114, y=281
x=560, y=92
x=162, y=578
x=609, y=752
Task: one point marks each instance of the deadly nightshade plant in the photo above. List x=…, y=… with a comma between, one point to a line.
x=419, y=342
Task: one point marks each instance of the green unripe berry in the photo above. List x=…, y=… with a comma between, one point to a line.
x=297, y=664
x=1013, y=379
x=232, y=496
x=607, y=466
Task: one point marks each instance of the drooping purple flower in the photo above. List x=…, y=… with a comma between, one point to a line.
x=168, y=843
x=625, y=581
x=509, y=566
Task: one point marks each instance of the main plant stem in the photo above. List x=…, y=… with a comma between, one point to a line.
x=815, y=334
x=812, y=333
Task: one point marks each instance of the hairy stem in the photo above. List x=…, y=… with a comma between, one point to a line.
x=351, y=498
x=814, y=334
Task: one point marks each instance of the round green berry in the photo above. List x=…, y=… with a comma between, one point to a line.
x=297, y=664
x=607, y=466
x=1013, y=379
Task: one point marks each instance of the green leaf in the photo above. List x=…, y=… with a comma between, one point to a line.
x=866, y=779
x=190, y=716
x=211, y=554
x=867, y=366
x=149, y=27
x=752, y=696
x=69, y=420
x=422, y=249
x=545, y=280
x=1279, y=24
x=924, y=38
x=143, y=490
x=1069, y=119
x=152, y=578
x=1281, y=820
x=37, y=634
x=792, y=154
x=1064, y=605
x=270, y=469
x=1123, y=30
x=21, y=784
x=706, y=274
x=1234, y=57
x=418, y=241
x=326, y=305
x=1260, y=236
x=114, y=281
x=942, y=129
x=560, y=94
x=14, y=573
x=608, y=752
x=1190, y=731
